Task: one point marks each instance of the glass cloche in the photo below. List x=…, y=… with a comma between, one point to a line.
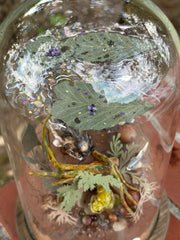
x=89, y=100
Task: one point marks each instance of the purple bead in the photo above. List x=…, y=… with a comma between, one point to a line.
x=53, y=52
x=92, y=108
x=122, y=113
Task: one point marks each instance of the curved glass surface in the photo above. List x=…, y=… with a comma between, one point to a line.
x=91, y=94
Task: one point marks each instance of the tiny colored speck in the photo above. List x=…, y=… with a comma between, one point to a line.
x=79, y=112
x=85, y=93
x=37, y=103
x=21, y=92
x=53, y=51
x=72, y=60
x=155, y=56
x=102, y=141
x=30, y=112
x=105, y=123
x=122, y=113
x=40, y=105
x=102, y=135
x=78, y=89
x=92, y=108
x=38, y=98
x=25, y=102
x=67, y=91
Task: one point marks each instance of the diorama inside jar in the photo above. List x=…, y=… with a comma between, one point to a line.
x=93, y=93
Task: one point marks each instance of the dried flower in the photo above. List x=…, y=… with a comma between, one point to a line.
x=53, y=51
x=58, y=214
x=92, y=108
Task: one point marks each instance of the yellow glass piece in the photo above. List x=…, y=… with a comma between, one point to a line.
x=102, y=201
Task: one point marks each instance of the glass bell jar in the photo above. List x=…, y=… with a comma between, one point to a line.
x=89, y=99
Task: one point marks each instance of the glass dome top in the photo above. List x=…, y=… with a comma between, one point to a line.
x=54, y=43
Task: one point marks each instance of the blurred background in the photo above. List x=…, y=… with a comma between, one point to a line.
x=170, y=7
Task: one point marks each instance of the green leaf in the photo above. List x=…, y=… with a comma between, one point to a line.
x=70, y=199
x=92, y=47
x=36, y=156
x=41, y=44
x=88, y=181
x=57, y=20
x=29, y=138
x=115, y=146
x=65, y=188
x=41, y=30
x=29, y=159
x=75, y=98
x=126, y=155
x=48, y=183
x=70, y=196
x=109, y=46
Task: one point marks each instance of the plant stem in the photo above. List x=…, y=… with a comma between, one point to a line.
x=130, y=197
x=116, y=173
x=128, y=209
x=125, y=183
